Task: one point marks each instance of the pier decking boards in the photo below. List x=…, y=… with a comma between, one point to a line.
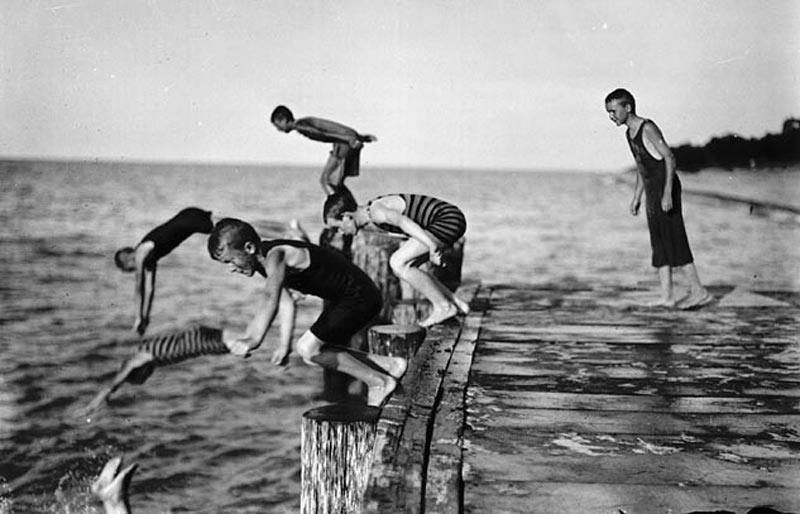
x=573, y=398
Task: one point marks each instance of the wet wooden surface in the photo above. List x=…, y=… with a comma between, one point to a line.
x=580, y=400
x=574, y=398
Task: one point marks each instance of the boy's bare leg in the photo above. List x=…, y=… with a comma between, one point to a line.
x=698, y=295
x=401, y=262
x=111, y=487
x=379, y=385
x=665, y=280
x=332, y=173
x=461, y=305
x=130, y=365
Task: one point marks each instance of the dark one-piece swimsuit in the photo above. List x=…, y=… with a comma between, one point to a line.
x=167, y=236
x=353, y=299
x=667, y=232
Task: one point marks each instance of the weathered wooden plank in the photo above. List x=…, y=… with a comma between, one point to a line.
x=508, y=497
x=397, y=478
x=765, y=427
x=600, y=461
x=443, y=487
x=633, y=403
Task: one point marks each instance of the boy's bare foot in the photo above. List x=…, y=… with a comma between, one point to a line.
x=111, y=487
x=439, y=315
x=378, y=395
x=461, y=305
x=397, y=367
x=696, y=300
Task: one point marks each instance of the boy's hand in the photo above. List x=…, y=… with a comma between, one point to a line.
x=280, y=357
x=666, y=202
x=140, y=325
x=241, y=346
x=436, y=256
x=634, y=208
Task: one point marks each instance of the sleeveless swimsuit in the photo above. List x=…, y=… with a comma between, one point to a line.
x=668, y=238
x=353, y=300
x=442, y=219
x=169, y=235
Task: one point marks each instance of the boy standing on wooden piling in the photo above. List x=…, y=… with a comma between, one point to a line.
x=431, y=224
x=657, y=177
x=353, y=300
x=345, y=157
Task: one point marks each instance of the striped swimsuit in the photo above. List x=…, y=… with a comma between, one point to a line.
x=442, y=219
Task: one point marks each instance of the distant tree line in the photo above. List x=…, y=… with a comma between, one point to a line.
x=733, y=151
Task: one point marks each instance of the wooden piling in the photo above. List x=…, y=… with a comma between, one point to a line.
x=336, y=455
x=371, y=252
x=395, y=340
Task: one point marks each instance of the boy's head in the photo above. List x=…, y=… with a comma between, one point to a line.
x=619, y=105
x=236, y=243
x=125, y=259
x=338, y=211
x=282, y=118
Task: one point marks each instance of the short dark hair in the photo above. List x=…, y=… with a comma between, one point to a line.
x=281, y=112
x=230, y=232
x=118, y=257
x=624, y=96
x=338, y=203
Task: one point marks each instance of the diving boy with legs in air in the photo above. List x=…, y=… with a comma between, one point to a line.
x=431, y=224
x=353, y=300
x=657, y=177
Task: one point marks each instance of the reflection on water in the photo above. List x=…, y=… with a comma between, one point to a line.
x=220, y=434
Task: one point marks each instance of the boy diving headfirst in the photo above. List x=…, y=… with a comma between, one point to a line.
x=353, y=300
x=156, y=244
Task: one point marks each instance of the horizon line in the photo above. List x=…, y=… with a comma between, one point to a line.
x=253, y=163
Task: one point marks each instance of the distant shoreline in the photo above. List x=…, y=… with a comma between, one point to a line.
x=752, y=203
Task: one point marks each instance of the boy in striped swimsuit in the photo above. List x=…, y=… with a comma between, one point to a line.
x=431, y=224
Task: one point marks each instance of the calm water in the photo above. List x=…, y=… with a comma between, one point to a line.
x=219, y=434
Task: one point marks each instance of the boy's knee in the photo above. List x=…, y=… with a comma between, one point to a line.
x=398, y=265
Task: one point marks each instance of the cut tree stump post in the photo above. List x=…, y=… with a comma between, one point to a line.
x=395, y=340
x=336, y=455
x=371, y=252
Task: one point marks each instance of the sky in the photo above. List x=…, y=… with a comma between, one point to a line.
x=488, y=84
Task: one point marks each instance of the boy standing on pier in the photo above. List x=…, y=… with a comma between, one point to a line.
x=156, y=244
x=344, y=159
x=656, y=176
x=431, y=224
x=353, y=300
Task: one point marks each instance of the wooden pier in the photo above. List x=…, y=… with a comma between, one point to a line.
x=573, y=398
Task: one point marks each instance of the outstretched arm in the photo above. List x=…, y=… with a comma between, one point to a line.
x=653, y=135
x=143, y=300
x=287, y=311
x=329, y=131
x=257, y=329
